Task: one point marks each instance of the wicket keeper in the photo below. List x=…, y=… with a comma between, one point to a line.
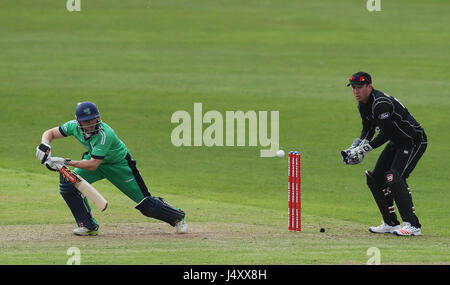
x=407, y=143
x=106, y=157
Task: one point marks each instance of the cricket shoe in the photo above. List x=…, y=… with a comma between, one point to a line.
x=182, y=227
x=384, y=229
x=408, y=230
x=83, y=231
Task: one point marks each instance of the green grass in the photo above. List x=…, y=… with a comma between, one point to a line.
x=141, y=61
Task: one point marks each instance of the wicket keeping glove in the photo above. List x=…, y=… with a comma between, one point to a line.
x=356, y=143
x=364, y=147
x=358, y=153
x=353, y=155
x=43, y=152
x=350, y=157
x=346, y=153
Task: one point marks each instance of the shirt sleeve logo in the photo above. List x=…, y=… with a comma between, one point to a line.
x=384, y=116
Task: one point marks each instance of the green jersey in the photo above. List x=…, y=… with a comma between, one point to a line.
x=104, y=145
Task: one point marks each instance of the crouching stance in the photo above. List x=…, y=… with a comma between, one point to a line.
x=407, y=144
x=107, y=157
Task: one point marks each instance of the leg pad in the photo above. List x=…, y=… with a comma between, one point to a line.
x=75, y=201
x=383, y=199
x=157, y=208
x=402, y=197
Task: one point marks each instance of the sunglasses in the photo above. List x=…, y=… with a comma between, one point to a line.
x=357, y=78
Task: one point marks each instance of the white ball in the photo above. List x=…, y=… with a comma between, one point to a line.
x=280, y=153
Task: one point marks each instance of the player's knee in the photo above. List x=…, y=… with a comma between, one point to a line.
x=392, y=177
x=374, y=179
x=65, y=187
x=369, y=179
x=396, y=184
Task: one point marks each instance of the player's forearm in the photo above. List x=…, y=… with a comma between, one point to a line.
x=367, y=134
x=385, y=134
x=47, y=137
x=90, y=165
x=367, y=131
x=50, y=135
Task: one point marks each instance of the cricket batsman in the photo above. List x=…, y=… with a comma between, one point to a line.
x=407, y=143
x=106, y=157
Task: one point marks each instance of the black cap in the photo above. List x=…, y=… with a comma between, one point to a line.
x=360, y=78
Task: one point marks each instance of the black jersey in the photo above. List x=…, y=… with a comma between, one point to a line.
x=394, y=121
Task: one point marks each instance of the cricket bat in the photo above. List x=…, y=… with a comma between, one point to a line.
x=84, y=187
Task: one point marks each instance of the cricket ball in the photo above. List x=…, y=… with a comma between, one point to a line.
x=280, y=153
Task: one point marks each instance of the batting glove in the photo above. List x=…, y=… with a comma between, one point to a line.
x=52, y=165
x=60, y=161
x=43, y=152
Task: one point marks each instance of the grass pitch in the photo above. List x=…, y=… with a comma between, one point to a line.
x=141, y=61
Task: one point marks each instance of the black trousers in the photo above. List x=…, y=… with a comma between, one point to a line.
x=401, y=159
